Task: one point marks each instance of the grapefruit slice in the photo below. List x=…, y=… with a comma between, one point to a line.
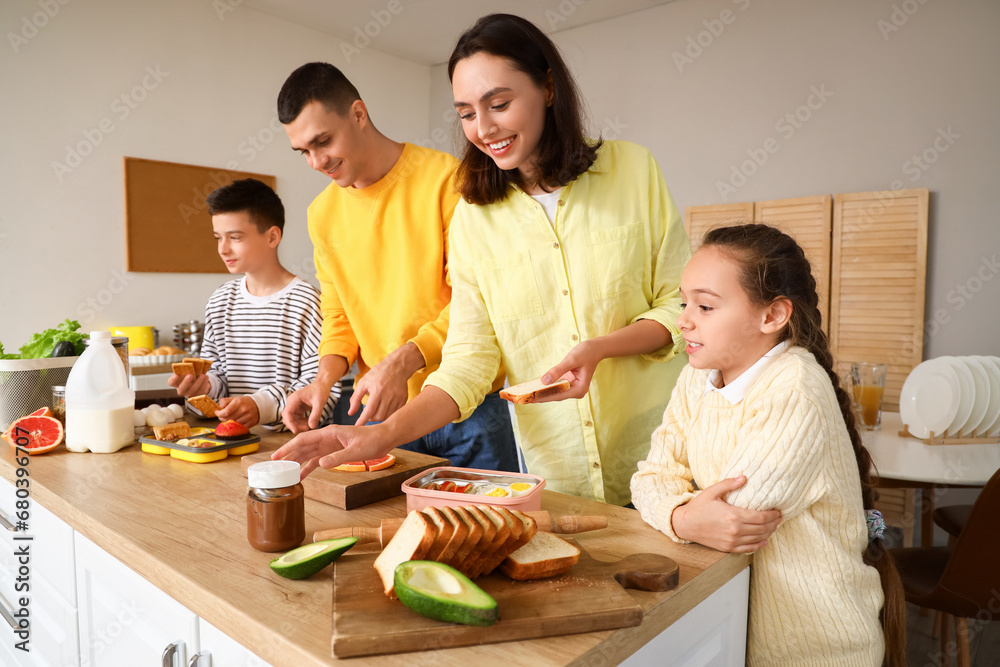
x=353, y=466
x=35, y=434
x=42, y=412
x=380, y=464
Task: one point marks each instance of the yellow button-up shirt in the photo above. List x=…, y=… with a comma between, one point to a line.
x=527, y=290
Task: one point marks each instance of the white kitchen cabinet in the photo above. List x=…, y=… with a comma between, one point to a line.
x=713, y=634
x=226, y=652
x=40, y=571
x=124, y=619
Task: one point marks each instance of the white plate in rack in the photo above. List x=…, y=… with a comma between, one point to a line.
x=990, y=425
x=929, y=399
x=980, y=399
x=966, y=395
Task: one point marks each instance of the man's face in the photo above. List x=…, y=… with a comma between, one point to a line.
x=330, y=142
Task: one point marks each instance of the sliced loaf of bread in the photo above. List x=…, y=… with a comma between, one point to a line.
x=546, y=555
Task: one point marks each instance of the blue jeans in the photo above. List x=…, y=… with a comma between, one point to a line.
x=485, y=440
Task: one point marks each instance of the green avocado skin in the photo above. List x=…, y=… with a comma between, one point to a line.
x=306, y=568
x=473, y=606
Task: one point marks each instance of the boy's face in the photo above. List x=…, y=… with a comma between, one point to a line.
x=331, y=142
x=241, y=246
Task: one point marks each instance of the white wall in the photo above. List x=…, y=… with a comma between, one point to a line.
x=62, y=247
x=890, y=94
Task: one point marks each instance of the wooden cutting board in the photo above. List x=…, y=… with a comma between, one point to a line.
x=348, y=490
x=587, y=598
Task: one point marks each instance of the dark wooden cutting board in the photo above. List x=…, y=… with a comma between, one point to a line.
x=587, y=598
x=348, y=490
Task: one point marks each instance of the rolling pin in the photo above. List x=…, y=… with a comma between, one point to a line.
x=569, y=523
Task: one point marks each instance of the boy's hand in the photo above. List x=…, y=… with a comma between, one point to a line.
x=304, y=408
x=329, y=447
x=239, y=408
x=709, y=520
x=385, y=385
x=190, y=385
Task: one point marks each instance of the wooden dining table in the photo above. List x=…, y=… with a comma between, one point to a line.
x=903, y=461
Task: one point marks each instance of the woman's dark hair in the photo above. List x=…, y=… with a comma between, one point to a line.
x=315, y=82
x=772, y=266
x=563, y=150
x=258, y=200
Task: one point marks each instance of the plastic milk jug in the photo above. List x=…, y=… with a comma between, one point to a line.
x=99, y=403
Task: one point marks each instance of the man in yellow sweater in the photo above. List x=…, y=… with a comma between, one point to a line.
x=380, y=238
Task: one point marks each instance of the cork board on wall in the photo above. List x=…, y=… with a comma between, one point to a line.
x=167, y=225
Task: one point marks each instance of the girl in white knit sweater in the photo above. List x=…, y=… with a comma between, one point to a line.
x=759, y=452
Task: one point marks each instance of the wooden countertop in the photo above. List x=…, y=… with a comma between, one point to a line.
x=182, y=526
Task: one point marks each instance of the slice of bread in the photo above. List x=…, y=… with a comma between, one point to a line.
x=529, y=392
x=205, y=405
x=514, y=540
x=443, y=532
x=411, y=542
x=476, y=531
x=546, y=555
x=502, y=535
x=467, y=566
x=171, y=432
x=459, y=535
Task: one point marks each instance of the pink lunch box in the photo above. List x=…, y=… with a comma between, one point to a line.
x=418, y=496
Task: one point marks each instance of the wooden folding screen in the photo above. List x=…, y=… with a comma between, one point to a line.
x=878, y=282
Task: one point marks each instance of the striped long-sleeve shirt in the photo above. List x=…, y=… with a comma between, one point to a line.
x=264, y=346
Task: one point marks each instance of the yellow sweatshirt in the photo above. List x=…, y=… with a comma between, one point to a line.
x=812, y=599
x=381, y=258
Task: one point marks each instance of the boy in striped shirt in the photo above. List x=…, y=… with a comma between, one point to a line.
x=262, y=330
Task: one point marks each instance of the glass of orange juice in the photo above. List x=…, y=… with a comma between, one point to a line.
x=867, y=381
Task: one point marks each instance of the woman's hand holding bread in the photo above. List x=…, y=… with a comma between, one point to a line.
x=708, y=519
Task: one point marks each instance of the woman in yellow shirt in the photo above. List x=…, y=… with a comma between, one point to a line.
x=565, y=261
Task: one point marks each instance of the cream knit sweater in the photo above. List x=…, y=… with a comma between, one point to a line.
x=812, y=599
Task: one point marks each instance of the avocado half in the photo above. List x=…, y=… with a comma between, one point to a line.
x=306, y=561
x=443, y=593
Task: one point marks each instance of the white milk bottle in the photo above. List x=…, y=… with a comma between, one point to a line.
x=99, y=402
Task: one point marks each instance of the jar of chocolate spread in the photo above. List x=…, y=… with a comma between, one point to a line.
x=276, y=515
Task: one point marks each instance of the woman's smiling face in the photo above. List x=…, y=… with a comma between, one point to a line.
x=502, y=110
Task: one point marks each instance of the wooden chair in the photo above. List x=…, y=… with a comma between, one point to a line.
x=963, y=580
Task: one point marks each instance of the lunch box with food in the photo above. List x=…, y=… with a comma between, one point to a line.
x=201, y=446
x=457, y=487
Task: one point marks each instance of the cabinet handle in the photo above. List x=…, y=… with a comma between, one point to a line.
x=6, y=523
x=201, y=659
x=177, y=648
x=7, y=613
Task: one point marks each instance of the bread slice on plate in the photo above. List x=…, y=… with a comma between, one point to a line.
x=546, y=555
x=411, y=542
x=529, y=392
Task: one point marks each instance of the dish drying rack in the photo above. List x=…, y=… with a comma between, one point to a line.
x=934, y=439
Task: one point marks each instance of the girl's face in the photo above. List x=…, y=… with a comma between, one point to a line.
x=722, y=328
x=502, y=110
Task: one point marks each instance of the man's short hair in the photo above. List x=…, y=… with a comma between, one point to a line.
x=315, y=82
x=258, y=200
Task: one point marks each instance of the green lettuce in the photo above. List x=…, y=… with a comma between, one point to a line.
x=41, y=344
